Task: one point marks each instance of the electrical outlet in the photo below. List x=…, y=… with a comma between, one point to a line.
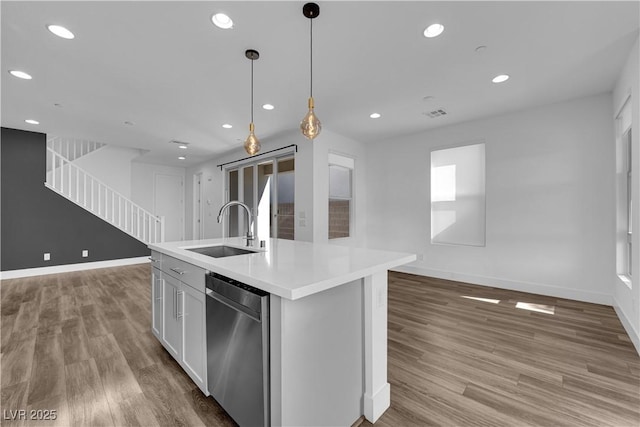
x=302, y=223
x=85, y=253
x=47, y=256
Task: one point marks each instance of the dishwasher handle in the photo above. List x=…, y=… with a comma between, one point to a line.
x=234, y=305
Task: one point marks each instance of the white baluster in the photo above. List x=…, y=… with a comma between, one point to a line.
x=69, y=179
x=61, y=176
x=77, y=187
x=53, y=170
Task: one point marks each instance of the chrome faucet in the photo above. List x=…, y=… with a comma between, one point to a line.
x=249, y=235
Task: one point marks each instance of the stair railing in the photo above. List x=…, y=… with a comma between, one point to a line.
x=73, y=148
x=87, y=191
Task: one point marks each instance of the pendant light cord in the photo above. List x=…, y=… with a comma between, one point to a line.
x=311, y=56
x=252, y=91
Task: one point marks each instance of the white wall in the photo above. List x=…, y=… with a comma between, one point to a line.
x=143, y=182
x=144, y=192
x=327, y=142
x=626, y=300
x=111, y=165
x=549, y=201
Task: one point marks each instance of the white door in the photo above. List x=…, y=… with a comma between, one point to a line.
x=169, y=202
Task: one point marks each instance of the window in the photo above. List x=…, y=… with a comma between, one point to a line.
x=340, y=196
x=267, y=187
x=629, y=258
x=458, y=195
x=624, y=191
x=629, y=205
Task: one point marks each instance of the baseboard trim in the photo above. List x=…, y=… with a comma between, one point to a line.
x=533, y=288
x=56, y=269
x=374, y=406
x=628, y=326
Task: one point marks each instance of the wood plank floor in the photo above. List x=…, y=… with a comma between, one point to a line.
x=469, y=355
x=80, y=343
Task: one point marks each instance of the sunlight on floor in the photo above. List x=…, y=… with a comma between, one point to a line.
x=541, y=308
x=492, y=301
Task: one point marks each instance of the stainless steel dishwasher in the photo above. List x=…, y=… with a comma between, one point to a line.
x=238, y=349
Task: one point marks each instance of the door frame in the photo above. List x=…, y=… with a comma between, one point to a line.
x=197, y=207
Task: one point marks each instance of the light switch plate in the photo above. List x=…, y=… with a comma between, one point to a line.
x=85, y=253
x=47, y=256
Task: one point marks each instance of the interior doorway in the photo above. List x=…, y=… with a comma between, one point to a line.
x=169, y=202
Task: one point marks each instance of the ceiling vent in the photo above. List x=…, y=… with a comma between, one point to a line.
x=435, y=113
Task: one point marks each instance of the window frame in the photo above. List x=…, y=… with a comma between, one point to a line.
x=347, y=162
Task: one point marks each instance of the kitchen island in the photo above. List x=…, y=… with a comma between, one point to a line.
x=327, y=325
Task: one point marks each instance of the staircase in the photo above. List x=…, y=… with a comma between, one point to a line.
x=88, y=192
x=72, y=148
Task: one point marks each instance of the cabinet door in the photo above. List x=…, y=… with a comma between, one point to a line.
x=194, y=337
x=156, y=302
x=171, y=323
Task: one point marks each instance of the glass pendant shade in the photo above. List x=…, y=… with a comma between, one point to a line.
x=310, y=125
x=252, y=144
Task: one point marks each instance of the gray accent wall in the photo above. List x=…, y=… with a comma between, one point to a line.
x=35, y=220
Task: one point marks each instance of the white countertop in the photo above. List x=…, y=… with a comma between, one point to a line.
x=288, y=268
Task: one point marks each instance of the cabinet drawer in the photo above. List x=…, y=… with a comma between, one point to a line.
x=185, y=272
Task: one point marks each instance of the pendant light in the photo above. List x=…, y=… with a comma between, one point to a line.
x=252, y=144
x=310, y=125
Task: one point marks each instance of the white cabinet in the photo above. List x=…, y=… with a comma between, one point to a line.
x=171, y=320
x=178, y=315
x=194, y=338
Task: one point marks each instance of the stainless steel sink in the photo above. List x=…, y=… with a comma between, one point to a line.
x=221, y=251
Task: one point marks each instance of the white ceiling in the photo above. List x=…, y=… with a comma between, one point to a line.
x=165, y=67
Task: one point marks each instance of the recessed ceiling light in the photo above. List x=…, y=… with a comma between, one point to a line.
x=128, y=123
x=182, y=158
x=184, y=147
x=500, y=78
x=20, y=74
x=268, y=107
x=32, y=122
x=227, y=126
x=433, y=30
x=428, y=98
x=221, y=20
x=61, y=31
x=481, y=49
x=374, y=115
